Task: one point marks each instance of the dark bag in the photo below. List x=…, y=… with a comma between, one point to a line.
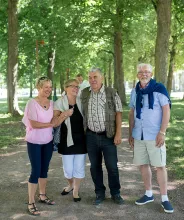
x=56, y=138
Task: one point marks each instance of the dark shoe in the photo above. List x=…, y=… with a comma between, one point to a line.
x=76, y=199
x=99, y=199
x=33, y=211
x=167, y=207
x=63, y=193
x=46, y=201
x=144, y=200
x=117, y=199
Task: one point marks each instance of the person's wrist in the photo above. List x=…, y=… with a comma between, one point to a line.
x=162, y=133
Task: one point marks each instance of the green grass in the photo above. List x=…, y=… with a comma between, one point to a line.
x=12, y=131
x=175, y=139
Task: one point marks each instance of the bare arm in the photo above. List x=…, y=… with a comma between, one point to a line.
x=40, y=125
x=131, y=125
x=117, y=138
x=165, y=117
x=160, y=139
x=59, y=116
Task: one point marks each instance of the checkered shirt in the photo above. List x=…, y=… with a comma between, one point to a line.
x=96, y=110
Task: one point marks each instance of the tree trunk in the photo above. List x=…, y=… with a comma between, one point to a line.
x=163, y=9
x=51, y=63
x=134, y=83
x=62, y=79
x=171, y=64
x=37, y=59
x=12, y=66
x=31, y=85
x=105, y=72
x=173, y=84
x=118, y=54
x=110, y=74
x=67, y=74
x=55, y=94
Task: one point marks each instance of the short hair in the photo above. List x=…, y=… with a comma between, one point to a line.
x=41, y=80
x=141, y=65
x=95, y=69
x=67, y=83
x=79, y=75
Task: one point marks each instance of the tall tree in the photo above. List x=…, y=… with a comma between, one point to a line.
x=177, y=40
x=171, y=63
x=12, y=69
x=118, y=51
x=163, y=10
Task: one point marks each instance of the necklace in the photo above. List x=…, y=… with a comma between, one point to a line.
x=43, y=103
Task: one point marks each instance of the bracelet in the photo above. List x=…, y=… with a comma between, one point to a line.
x=161, y=132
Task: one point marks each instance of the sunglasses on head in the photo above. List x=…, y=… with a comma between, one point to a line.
x=43, y=78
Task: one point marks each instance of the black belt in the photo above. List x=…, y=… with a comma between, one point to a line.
x=98, y=133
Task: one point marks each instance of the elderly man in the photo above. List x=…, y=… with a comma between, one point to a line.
x=102, y=111
x=148, y=120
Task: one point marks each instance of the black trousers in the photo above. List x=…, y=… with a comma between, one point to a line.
x=99, y=146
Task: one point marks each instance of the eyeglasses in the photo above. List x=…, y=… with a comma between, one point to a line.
x=144, y=72
x=74, y=87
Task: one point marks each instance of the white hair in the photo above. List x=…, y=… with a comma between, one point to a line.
x=141, y=65
x=95, y=69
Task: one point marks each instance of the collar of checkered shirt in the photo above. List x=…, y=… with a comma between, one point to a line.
x=101, y=89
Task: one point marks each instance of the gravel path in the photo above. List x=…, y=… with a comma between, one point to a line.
x=15, y=168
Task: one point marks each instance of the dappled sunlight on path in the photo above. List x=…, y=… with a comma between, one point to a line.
x=15, y=169
x=12, y=153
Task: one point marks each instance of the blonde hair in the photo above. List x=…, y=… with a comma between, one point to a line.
x=68, y=82
x=40, y=81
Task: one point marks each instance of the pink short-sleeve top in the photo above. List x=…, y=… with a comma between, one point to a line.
x=36, y=112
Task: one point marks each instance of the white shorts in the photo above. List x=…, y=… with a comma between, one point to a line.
x=146, y=152
x=74, y=165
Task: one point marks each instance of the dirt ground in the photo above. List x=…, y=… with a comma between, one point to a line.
x=15, y=169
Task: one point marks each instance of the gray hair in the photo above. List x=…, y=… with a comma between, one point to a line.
x=95, y=69
x=141, y=65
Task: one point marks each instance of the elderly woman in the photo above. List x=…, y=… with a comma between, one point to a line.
x=39, y=125
x=72, y=139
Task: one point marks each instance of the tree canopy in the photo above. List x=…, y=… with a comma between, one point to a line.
x=63, y=38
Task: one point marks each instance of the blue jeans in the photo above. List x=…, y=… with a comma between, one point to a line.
x=40, y=156
x=98, y=145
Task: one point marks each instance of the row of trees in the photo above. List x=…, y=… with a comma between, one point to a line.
x=62, y=38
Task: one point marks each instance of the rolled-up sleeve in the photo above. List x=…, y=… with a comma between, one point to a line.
x=132, y=99
x=118, y=103
x=163, y=99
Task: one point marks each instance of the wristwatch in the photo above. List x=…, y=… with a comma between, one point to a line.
x=161, y=132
